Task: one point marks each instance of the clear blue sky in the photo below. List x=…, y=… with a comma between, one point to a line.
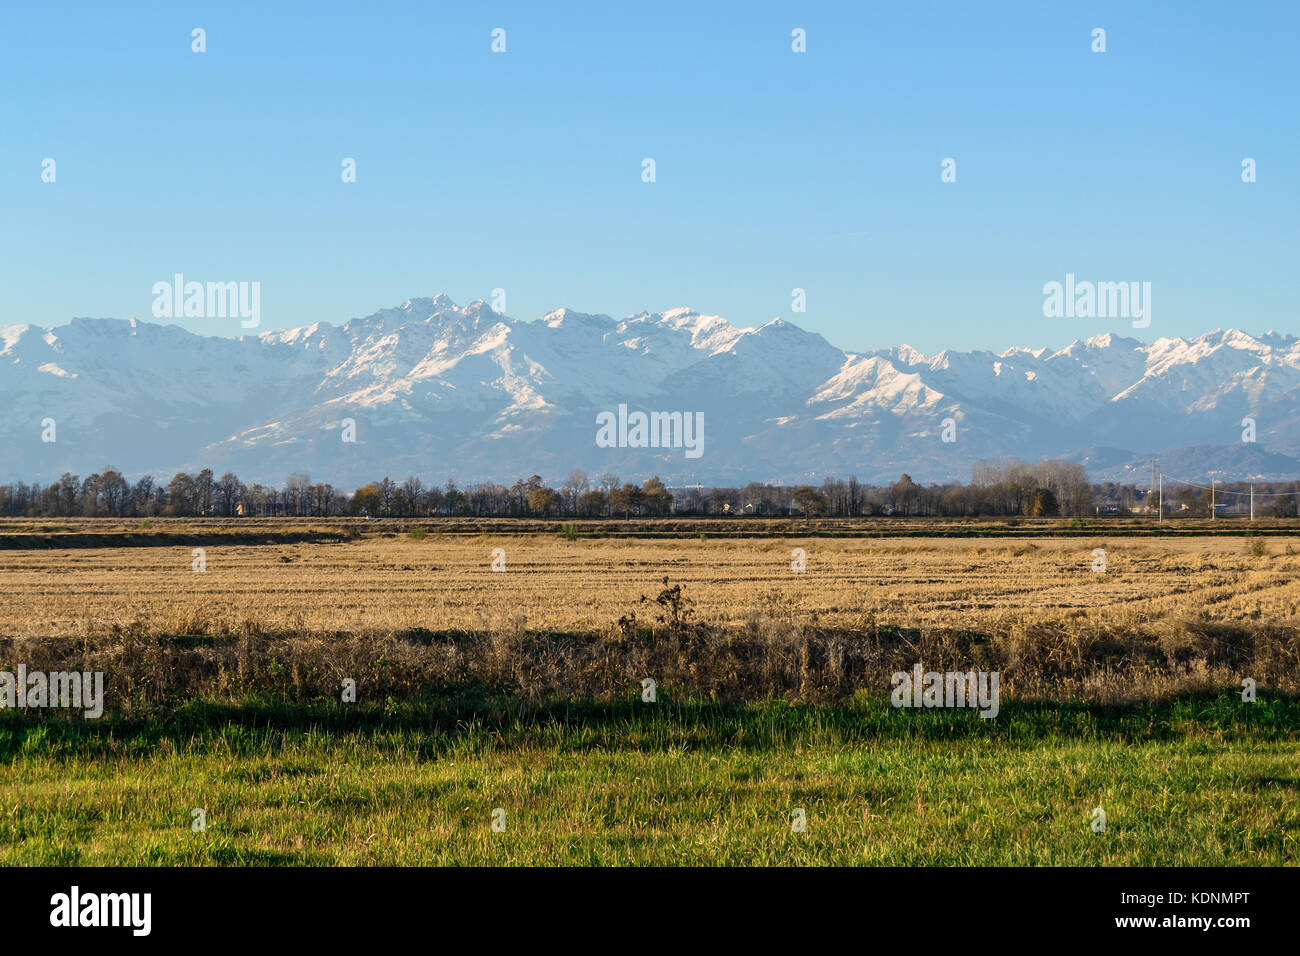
x=522, y=170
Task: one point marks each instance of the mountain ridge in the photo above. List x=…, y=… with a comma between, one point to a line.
x=435, y=388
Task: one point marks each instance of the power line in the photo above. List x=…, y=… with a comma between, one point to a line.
x=1220, y=491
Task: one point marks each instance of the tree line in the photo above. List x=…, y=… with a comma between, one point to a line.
x=1003, y=487
x=108, y=494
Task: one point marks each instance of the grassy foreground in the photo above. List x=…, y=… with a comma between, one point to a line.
x=1203, y=780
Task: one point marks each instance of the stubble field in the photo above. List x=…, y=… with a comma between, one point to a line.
x=446, y=582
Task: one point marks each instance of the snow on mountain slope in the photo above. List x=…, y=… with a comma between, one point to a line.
x=444, y=390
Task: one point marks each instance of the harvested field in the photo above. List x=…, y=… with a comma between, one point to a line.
x=393, y=582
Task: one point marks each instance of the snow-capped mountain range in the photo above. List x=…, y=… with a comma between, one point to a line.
x=445, y=391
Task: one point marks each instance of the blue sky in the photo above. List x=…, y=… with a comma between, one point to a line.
x=775, y=170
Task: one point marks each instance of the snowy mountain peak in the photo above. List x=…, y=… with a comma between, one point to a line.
x=910, y=356
x=443, y=390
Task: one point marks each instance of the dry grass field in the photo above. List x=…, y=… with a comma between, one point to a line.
x=392, y=581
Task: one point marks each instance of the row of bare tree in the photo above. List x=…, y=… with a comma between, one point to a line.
x=997, y=488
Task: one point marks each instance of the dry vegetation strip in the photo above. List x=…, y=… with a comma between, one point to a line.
x=28, y=533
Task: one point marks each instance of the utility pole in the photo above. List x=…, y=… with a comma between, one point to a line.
x=1160, y=501
x=1252, y=501
x=1211, y=499
x=1153, y=474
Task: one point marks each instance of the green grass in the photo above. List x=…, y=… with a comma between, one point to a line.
x=1201, y=781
